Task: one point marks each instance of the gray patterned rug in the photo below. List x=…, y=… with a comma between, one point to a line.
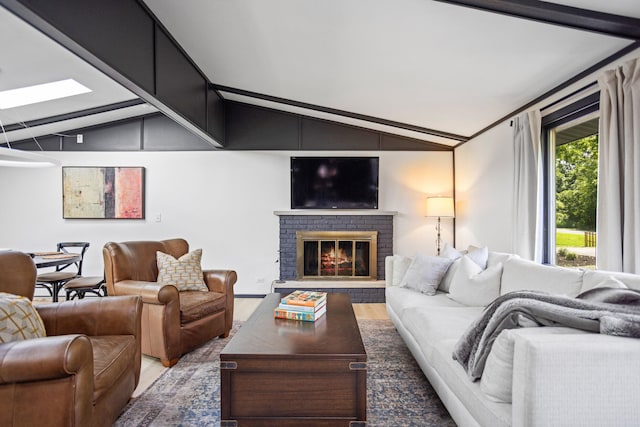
x=397, y=392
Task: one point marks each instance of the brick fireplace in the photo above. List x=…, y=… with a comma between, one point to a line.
x=361, y=289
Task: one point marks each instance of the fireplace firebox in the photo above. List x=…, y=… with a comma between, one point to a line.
x=341, y=255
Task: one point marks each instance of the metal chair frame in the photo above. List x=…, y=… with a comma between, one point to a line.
x=52, y=285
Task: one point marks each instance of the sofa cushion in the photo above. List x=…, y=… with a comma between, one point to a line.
x=185, y=273
x=425, y=273
x=195, y=305
x=20, y=320
x=429, y=326
x=497, y=379
x=595, y=278
x=473, y=286
x=520, y=274
x=113, y=355
x=400, y=299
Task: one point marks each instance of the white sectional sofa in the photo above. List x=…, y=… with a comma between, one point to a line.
x=560, y=376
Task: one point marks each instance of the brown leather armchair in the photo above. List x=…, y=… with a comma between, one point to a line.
x=173, y=323
x=86, y=368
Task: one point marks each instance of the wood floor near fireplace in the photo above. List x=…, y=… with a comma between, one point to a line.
x=369, y=291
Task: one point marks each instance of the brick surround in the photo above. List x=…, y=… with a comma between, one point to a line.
x=289, y=224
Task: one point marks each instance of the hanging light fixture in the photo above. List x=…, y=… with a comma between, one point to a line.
x=25, y=159
x=10, y=157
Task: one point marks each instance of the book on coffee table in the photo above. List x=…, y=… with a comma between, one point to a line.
x=305, y=298
x=280, y=313
x=307, y=306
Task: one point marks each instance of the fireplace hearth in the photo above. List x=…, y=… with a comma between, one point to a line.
x=340, y=255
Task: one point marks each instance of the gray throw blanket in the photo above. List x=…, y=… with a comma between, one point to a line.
x=604, y=310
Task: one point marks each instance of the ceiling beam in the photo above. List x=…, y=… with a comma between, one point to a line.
x=73, y=115
x=342, y=113
x=558, y=14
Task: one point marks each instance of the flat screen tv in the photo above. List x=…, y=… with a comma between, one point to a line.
x=334, y=182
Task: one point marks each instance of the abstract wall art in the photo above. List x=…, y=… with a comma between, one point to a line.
x=102, y=192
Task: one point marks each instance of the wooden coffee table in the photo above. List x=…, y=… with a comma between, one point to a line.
x=292, y=373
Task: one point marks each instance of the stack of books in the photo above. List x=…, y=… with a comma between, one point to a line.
x=302, y=305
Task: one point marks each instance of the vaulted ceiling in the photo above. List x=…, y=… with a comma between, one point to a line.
x=432, y=70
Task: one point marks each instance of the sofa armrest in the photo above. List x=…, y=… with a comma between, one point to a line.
x=582, y=379
x=117, y=315
x=388, y=271
x=150, y=292
x=43, y=359
x=220, y=280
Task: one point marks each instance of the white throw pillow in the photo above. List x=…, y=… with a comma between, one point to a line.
x=184, y=273
x=450, y=252
x=473, y=286
x=425, y=273
x=479, y=255
x=400, y=266
x=445, y=283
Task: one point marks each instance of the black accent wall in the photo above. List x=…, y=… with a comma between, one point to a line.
x=251, y=127
x=248, y=127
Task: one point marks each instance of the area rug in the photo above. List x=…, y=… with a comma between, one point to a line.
x=397, y=392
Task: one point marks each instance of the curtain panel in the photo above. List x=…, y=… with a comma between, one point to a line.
x=527, y=208
x=618, y=211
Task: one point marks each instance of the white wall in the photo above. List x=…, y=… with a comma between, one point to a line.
x=484, y=176
x=220, y=201
x=484, y=190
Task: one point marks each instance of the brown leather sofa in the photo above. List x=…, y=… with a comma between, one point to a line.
x=86, y=368
x=173, y=323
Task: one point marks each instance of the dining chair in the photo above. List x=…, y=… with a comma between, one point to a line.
x=52, y=281
x=79, y=286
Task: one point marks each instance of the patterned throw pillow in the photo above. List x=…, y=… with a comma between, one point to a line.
x=184, y=273
x=18, y=319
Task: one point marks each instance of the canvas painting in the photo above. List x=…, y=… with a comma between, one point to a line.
x=103, y=192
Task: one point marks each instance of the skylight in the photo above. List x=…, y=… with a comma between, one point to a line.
x=40, y=93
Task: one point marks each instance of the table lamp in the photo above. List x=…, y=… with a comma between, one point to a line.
x=438, y=207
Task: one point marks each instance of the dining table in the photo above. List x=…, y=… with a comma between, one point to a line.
x=54, y=259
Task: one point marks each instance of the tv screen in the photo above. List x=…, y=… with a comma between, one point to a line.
x=334, y=183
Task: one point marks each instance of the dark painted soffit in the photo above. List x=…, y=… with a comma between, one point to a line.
x=342, y=113
x=557, y=14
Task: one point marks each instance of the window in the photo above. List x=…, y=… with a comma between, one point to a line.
x=570, y=150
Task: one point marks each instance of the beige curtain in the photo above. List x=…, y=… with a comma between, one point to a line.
x=618, y=224
x=527, y=185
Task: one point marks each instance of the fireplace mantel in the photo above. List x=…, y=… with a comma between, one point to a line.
x=312, y=212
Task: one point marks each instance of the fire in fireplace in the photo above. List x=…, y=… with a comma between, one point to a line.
x=336, y=254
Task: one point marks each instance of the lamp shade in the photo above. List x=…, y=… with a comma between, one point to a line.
x=440, y=207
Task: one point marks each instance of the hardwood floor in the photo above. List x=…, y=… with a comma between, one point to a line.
x=243, y=308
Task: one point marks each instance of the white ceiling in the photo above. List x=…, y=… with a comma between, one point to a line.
x=420, y=62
